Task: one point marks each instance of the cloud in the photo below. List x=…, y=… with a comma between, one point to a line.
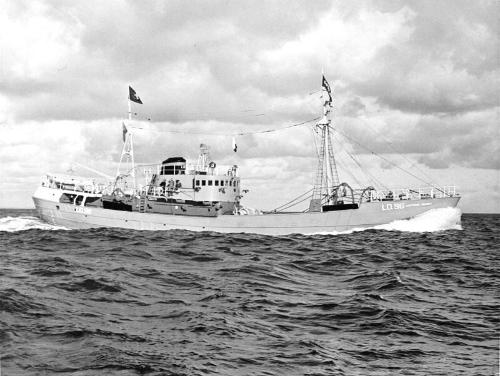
x=413, y=81
x=469, y=140
x=447, y=64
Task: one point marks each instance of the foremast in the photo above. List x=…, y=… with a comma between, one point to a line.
x=327, y=177
x=127, y=155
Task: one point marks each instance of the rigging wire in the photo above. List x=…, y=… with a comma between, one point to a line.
x=374, y=179
x=346, y=170
x=299, y=202
x=291, y=203
x=341, y=163
x=368, y=176
x=387, y=160
x=413, y=164
x=270, y=130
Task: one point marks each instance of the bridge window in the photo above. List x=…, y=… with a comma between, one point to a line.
x=210, y=182
x=217, y=183
x=222, y=183
x=197, y=183
x=203, y=182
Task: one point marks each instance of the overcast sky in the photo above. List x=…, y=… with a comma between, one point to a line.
x=415, y=81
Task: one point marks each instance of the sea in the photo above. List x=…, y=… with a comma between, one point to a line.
x=416, y=297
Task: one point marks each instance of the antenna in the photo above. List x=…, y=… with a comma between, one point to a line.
x=203, y=158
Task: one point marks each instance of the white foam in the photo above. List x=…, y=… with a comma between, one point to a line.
x=431, y=221
x=12, y=224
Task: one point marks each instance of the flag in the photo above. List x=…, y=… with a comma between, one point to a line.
x=132, y=95
x=235, y=147
x=124, y=130
x=326, y=86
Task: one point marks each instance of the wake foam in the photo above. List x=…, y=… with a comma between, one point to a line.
x=13, y=224
x=431, y=221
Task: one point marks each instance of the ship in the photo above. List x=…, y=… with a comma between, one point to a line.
x=203, y=196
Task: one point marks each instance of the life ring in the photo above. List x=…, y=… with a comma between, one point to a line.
x=212, y=165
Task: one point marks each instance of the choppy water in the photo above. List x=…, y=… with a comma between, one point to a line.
x=390, y=301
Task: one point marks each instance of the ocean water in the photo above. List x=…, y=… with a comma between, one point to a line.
x=418, y=297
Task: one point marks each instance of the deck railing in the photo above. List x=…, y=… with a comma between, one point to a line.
x=83, y=185
x=409, y=193
x=74, y=183
x=190, y=169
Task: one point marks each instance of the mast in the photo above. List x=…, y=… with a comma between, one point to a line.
x=327, y=176
x=127, y=154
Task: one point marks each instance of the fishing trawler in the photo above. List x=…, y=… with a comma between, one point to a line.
x=205, y=197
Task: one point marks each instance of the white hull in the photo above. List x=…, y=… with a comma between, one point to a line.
x=368, y=215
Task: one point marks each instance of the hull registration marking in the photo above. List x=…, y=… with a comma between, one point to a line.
x=393, y=206
x=83, y=210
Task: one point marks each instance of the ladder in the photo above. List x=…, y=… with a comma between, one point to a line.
x=142, y=204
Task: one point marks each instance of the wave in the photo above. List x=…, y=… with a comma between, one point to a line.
x=13, y=224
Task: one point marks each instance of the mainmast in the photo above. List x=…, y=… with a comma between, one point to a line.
x=326, y=173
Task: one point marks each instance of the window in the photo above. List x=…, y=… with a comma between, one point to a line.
x=230, y=183
x=217, y=183
x=210, y=182
x=203, y=182
x=197, y=183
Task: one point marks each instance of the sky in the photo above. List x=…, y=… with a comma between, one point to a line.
x=416, y=87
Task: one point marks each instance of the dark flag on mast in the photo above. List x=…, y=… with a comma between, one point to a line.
x=326, y=86
x=132, y=95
